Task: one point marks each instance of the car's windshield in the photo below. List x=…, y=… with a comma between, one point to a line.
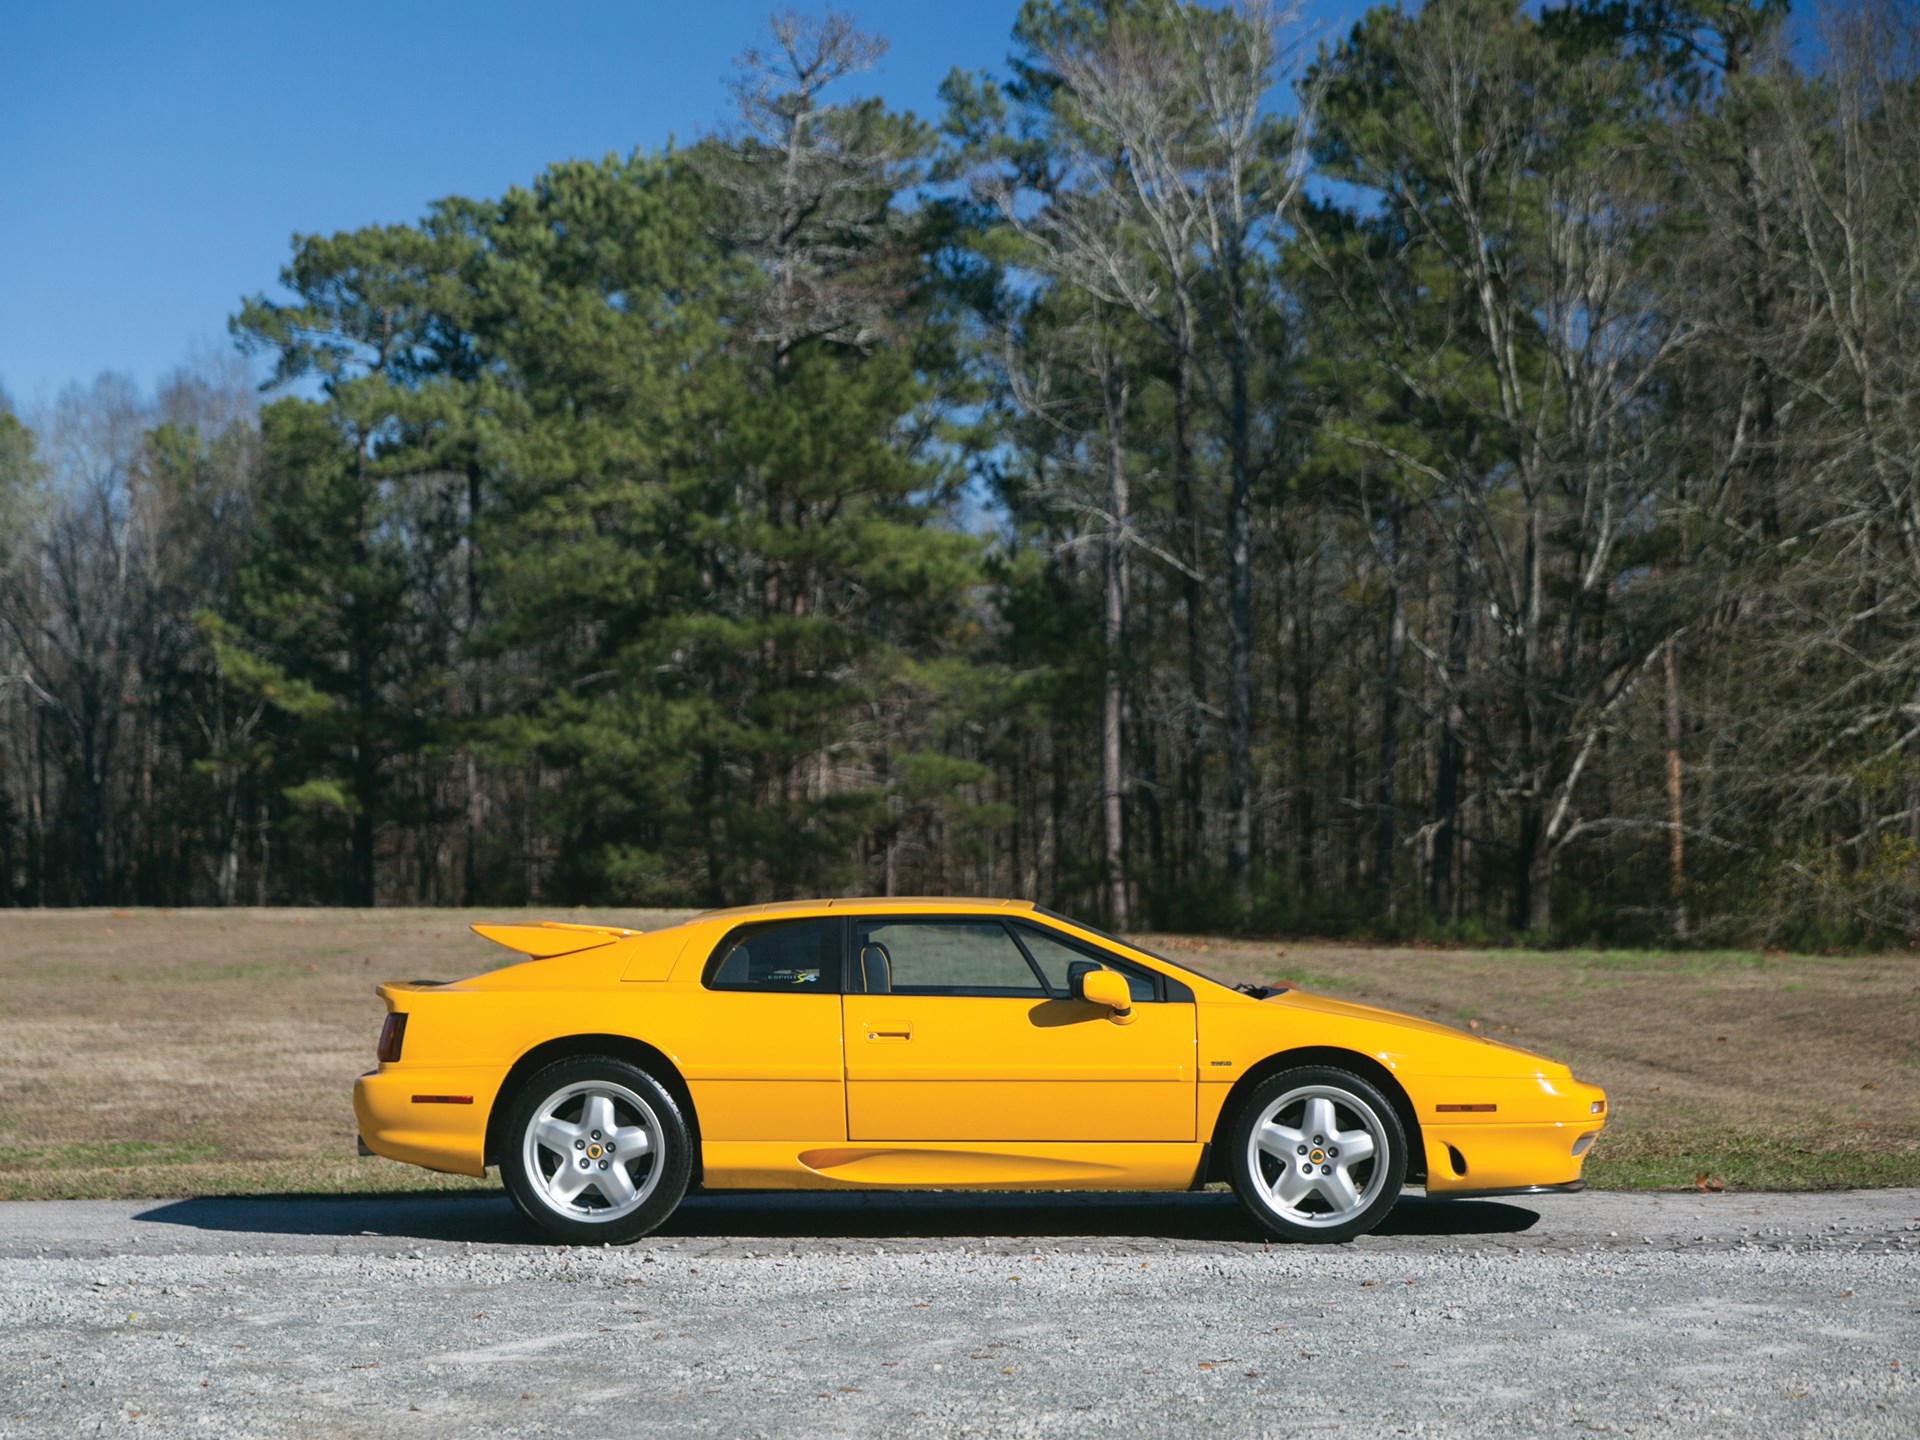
x=1259, y=992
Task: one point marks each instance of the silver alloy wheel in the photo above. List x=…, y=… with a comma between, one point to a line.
x=1318, y=1154
x=592, y=1151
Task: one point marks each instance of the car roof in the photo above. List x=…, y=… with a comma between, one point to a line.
x=877, y=904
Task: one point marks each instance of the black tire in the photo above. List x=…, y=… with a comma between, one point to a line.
x=575, y=1149
x=1305, y=1189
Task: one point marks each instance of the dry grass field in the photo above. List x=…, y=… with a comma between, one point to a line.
x=156, y=1053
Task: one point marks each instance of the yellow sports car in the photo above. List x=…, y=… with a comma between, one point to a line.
x=951, y=1044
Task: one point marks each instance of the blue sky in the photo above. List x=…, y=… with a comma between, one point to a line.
x=159, y=158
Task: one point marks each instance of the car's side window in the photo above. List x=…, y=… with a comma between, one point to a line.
x=1056, y=956
x=940, y=957
x=801, y=956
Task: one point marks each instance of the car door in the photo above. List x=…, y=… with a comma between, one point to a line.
x=954, y=1032
x=768, y=1065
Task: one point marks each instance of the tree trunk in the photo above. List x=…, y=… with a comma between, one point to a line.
x=1532, y=865
x=1192, y=763
x=1305, y=835
x=1240, y=627
x=363, y=831
x=95, y=780
x=1676, y=845
x=365, y=782
x=1147, y=766
x=37, y=816
x=1532, y=858
x=1350, y=788
x=1394, y=642
x=1113, y=637
x=476, y=806
x=713, y=830
x=264, y=834
x=1447, y=765
x=365, y=768
x=1056, y=811
x=228, y=884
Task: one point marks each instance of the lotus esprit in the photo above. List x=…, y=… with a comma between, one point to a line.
x=949, y=1044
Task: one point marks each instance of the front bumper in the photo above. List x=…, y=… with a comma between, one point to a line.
x=1544, y=1148
x=430, y=1116
x=1572, y=1187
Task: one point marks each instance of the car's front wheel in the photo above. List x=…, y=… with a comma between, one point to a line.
x=595, y=1151
x=1317, y=1154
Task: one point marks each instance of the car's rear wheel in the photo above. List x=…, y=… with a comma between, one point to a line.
x=1317, y=1154
x=595, y=1151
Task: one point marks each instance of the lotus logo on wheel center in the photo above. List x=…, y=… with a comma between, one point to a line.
x=594, y=1152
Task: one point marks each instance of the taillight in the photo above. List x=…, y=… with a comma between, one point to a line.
x=393, y=1035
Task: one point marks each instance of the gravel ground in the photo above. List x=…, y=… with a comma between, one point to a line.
x=949, y=1315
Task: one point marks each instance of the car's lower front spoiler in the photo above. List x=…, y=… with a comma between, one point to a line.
x=1570, y=1187
x=1538, y=1154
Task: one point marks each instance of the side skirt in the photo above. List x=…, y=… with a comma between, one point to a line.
x=976, y=1165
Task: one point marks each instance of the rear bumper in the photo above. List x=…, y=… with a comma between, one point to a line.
x=434, y=1117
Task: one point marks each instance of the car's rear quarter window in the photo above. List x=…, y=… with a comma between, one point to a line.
x=790, y=955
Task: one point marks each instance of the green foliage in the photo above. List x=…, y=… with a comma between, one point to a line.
x=1054, y=500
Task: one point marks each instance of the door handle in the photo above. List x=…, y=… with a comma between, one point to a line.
x=903, y=1032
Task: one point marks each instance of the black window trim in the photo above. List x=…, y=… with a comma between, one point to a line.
x=722, y=948
x=1165, y=991
x=1178, y=990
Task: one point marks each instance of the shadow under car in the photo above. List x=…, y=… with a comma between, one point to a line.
x=490, y=1219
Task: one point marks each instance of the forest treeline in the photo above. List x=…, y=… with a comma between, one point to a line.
x=1459, y=478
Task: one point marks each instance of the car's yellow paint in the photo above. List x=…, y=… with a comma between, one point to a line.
x=809, y=1090
x=963, y=1067
x=551, y=937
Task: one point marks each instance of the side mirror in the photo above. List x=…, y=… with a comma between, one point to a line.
x=1108, y=988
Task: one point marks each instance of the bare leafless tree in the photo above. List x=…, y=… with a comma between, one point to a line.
x=813, y=178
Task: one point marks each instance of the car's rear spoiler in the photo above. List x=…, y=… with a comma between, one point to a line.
x=552, y=937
